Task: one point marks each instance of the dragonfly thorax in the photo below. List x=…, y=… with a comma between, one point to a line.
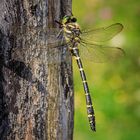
x=72, y=32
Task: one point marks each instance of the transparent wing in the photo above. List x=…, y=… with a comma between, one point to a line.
x=102, y=34
x=55, y=37
x=99, y=53
x=40, y=37
x=54, y=55
x=48, y=42
x=51, y=36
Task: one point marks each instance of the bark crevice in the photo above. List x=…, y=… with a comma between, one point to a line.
x=36, y=96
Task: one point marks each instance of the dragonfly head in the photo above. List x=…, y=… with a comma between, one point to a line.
x=69, y=19
x=71, y=25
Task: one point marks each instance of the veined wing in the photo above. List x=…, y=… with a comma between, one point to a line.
x=102, y=34
x=55, y=37
x=50, y=36
x=49, y=42
x=43, y=38
x=99, y=53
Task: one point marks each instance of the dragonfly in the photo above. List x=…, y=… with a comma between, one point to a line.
x=86, y=44
x=88, y=40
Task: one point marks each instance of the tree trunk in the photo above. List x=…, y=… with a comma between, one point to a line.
x=36, y=90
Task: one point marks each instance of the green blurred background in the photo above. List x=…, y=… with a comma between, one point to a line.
x=115, y=87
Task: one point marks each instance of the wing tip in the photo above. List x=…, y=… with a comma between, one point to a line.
x=122, y=51
x=119, y=24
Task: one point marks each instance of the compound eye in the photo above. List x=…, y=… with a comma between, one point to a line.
x=66, y=19
x=73, y=19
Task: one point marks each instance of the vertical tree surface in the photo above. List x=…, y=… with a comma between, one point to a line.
x=36, y=91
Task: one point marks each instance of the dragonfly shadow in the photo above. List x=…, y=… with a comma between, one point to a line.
x=25, y=72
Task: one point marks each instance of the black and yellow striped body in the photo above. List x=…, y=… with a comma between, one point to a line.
x=90, y=110
x=74, y=38
x=71, y=32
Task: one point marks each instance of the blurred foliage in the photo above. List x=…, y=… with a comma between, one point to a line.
x=115, y=87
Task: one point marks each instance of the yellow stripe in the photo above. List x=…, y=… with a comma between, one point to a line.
x=74, y=48
x=91, y=122
x=89, y=105
x=90, y=115
x=67, y=39
x=87, y=94
x=71, y=26
x=67, y=31
x=81, y=69
x=84, y=81
x=77, y=58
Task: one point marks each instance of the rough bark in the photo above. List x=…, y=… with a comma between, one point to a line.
x=36, y=95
